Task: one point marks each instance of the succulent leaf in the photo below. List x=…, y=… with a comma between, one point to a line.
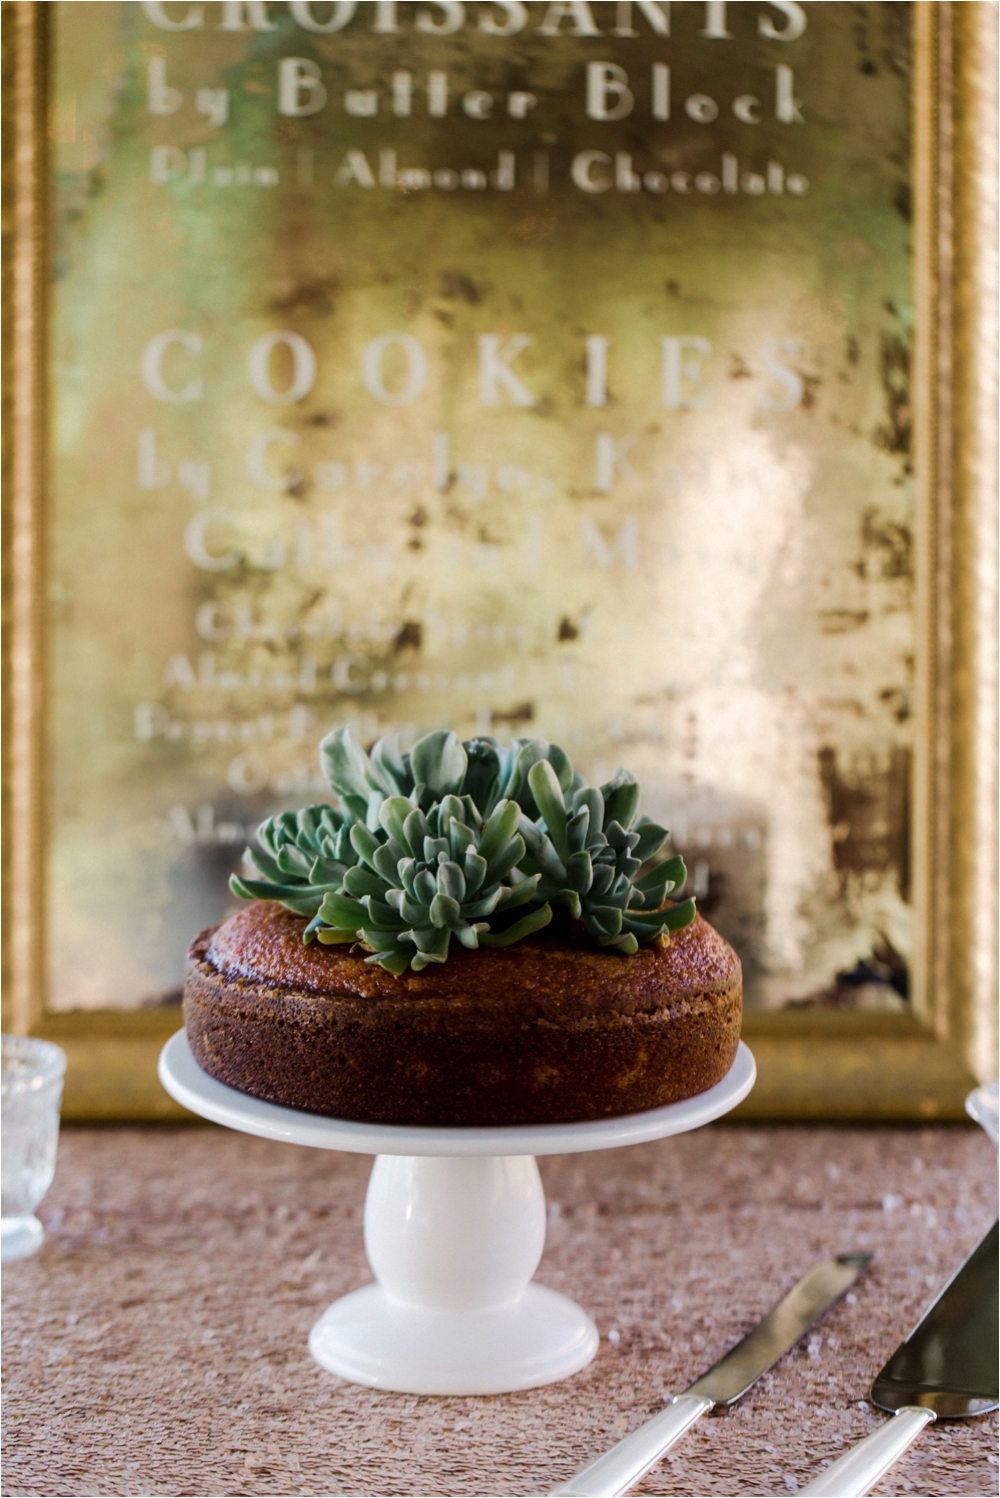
x=519, y=894
x=263, y=863
x=604, y=919
x=415, y=828
x=434, y=847
x=577, y=829
x=445, y=911
x=534, y=921
x=360, y=881
x=355, y=807
x=529, y=752
x=439, y=763
x=342, y=910
x=379, y=941
x=549, y=862
x=501, y=864
x=389, y=767
x=621, y=799
x=392, y=815
x=571, y=899
x=451, y=881
x=651, y=839
x=345, y=764
x=329, y=936
x=451, y=808
x=364, y=842
x=560, y=762
x=548, y=794
x=663, y=878
x=469, y=935
x=676, y=916
x=485, y=904
x=475, y=870
x=503, y=822
x=460, y=836
x=526, y=753
x=482, y=777
x=385, y=864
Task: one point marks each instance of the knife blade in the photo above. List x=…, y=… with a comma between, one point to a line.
x=617, y=1470
x=946, y=1369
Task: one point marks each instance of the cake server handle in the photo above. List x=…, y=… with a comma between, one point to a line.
x=858, y=1470
x=621, y=1467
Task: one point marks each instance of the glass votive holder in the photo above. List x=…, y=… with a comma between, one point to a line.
x=32, y=1091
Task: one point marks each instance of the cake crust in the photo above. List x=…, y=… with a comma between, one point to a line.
x=548, y=1030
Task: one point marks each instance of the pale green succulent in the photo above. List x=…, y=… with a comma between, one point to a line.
x=439, y=764
x=431, y=878
x=447, y=839
x=589, y=859
x=302, y=857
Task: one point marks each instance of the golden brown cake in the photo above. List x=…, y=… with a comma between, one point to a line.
x=548, y=1030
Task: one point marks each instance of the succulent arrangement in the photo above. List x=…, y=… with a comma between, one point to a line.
x=476, y=841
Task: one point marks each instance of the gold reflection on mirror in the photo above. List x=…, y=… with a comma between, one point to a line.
x=522, y=370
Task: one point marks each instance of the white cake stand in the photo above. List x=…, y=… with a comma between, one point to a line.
x=454, y=1230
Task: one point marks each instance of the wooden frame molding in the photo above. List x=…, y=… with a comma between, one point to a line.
x=24, y=263
x=832, y=1065
x=972, y=470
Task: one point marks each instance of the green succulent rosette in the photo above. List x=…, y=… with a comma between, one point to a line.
x=302, y=856
x=589, y=849
x=479, y=842
x=434, y=877
x=439, y=764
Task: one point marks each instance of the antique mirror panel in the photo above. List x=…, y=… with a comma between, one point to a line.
x=527, y=369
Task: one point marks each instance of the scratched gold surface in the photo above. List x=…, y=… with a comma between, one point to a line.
x=728, y=612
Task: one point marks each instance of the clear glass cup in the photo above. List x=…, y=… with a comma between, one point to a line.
x=984, y=1106
x=32, y=1091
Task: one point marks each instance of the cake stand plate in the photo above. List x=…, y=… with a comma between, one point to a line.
x=454, y=1230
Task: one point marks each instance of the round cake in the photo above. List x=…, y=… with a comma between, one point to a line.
x=547, y=1030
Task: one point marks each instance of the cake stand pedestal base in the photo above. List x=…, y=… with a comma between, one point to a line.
x=369, y=1339
x=454, y=1230
x=453, y=1242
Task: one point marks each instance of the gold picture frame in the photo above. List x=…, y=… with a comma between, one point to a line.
x=813, y=1064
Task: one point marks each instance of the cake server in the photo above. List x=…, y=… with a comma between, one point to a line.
x=945, y=1370
x=621, y=1467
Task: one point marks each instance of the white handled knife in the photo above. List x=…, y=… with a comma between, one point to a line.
x=621, y=1467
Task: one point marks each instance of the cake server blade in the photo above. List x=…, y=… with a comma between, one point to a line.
x=621, y=1467
x=946, y=1369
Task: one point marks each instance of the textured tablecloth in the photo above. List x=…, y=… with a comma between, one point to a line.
x=157, y=1344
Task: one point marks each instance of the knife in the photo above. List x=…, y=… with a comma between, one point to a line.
x=621, y=1467
x=945, y=1370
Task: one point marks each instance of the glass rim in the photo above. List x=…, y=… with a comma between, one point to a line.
x=44, y=1060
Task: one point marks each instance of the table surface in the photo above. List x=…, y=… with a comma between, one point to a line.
x=157, y=1344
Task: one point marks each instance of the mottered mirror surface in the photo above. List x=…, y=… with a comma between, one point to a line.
x=525, y=369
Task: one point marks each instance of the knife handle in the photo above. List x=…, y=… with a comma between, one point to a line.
x=858, y=1470
x=620, y=1468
